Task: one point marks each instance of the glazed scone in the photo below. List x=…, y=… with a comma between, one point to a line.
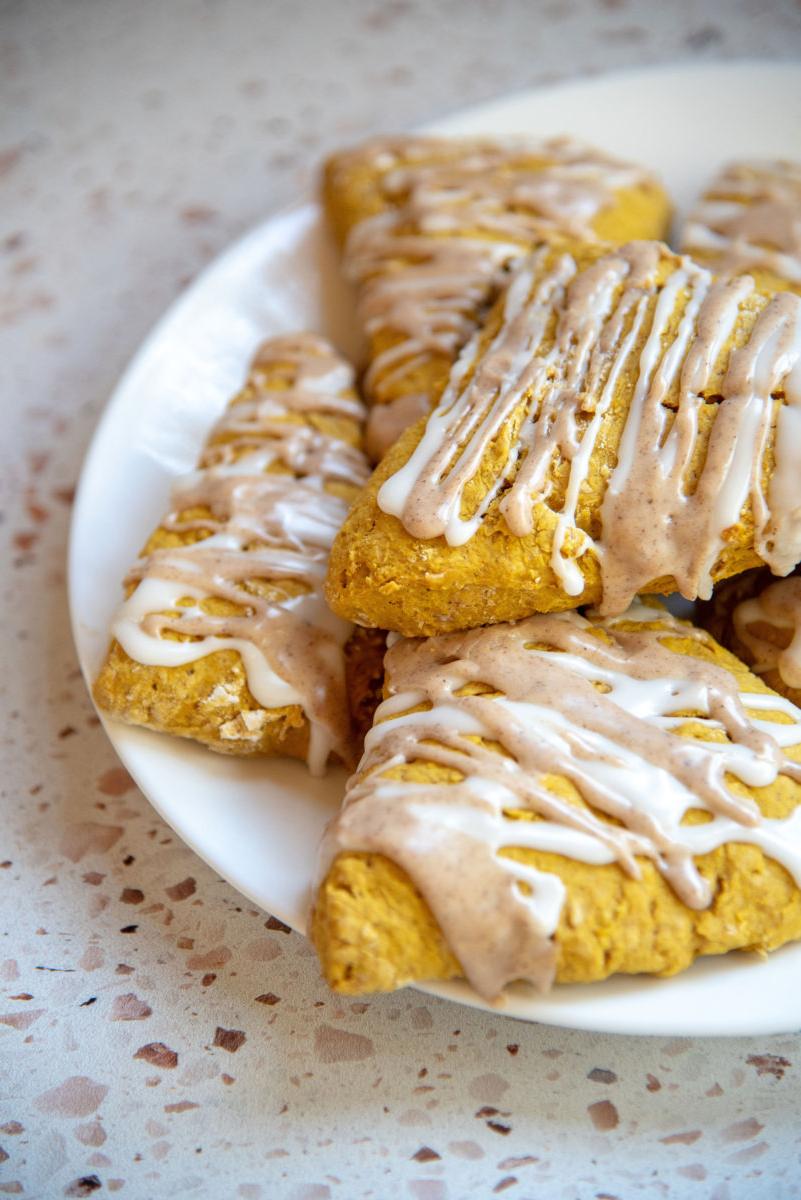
x=749, y=220
x=623, y=423
x=224, y=635
x=431, y=228
x=563, y=799
x=758, y=618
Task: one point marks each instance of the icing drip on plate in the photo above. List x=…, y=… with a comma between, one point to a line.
x=576, y=349
x=257, y=514
x=643, y=733
x=459, y=215
x=750, y=219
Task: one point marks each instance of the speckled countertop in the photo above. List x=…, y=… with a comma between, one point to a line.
x=158, y=1036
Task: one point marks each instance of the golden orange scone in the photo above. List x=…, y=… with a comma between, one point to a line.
x=758, y=618
x=224, y=635
x=749, y=220
x=623, y=423
x=563, y=798
x=431, y=228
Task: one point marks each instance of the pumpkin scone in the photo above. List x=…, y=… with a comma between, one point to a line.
x=758, y=618
x=224, y=635
x=623, y=423
x=749, y=219
x=431, y=228
x=562, y=799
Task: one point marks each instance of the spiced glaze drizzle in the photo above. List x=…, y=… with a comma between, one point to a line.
x=458, y=216
x=261, y=509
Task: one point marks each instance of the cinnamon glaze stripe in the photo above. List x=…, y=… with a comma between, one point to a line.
x=456, y=217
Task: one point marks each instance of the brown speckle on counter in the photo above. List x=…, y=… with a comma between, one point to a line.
x=182, y=890
x=115, y=782
x=229, y=1039
x=742, y=1131
x=158, y=1055
x=129, y=1008
x=77, y=1096
x=338, y=1045
x=769, y=1064
x=603, y=1115
x=602, y=1075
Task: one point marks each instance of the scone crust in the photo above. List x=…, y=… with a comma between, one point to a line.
x=374, y=931
x=381, y=576
x=208, y=699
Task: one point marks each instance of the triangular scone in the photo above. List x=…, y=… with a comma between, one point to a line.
x=225, y=636
x=623, y=423
x=431, y=227
x=749, y=219
x=758, y=618
x=563, y=798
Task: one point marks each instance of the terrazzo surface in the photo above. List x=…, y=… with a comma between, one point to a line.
x=158, y=1035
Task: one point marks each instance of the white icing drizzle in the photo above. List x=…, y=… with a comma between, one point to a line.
x=555, y=364
x=459, y=216
x=609, y=714
x=253, y=523
x=750, y=219
x=778, y=606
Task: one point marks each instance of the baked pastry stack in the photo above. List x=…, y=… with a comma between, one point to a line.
x=563, y=780
x=554, y=794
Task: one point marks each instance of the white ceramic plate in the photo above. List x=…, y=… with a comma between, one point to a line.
x=259, y=823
